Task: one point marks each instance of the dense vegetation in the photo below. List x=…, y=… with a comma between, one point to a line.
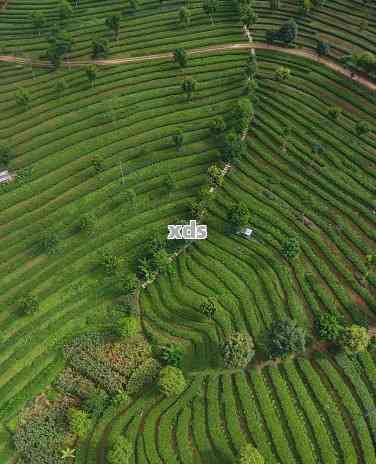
x=118, y=346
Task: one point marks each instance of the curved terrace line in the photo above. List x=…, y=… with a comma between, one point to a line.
x=300, y=52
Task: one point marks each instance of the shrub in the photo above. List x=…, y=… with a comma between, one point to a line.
x=23, y=97
x=238, y=215
x=286, y=337
x=215, y=176
x=322, y=48
x=5, y=154
x=233, y=147
x=171, y=355
x=108, y=261
x=79, y=422
x=217, y=126
x=28, y=304
x=128, y=327
x=40, y=438
x=144, y=375
x=250, y=455
x=287, y=33
x=208, y=307
x=87, y=223
x=354, y=339
x=362, y=128
x=120, y=451
x=291, y=248
x=334, y=112
x=97, y=402
x=171, y=381
x=238, y=350
x=49, y=242
x=329, y=326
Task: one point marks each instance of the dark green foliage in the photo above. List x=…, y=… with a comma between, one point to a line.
x=87, y=223
x=217, y=126
x=100, y=48
x=286, y=337
x=178, y=139
x=215, y=176
x=170, y=355
x=6, y=152
x=291, y=248
x=184, y=16
x=248, y=16
x=71, y=382
x=329, y=326
x=197, y=209
x=113, y=23
x=188, y=86
x=91, y=73
x=322, y=48
x=28, y=304
x=161, y=261
x=85, y=354
x=210, y=7
x=120, y=451
x=251, y=67
x=23, y=97
x=362, y=128
x=60, y=43
x=108, y=261
x=233, y=147
x=65, y=10
x=237, y=350
x=144, y=375
x=334, y=112
x=208, y=307
x=39, y=439
x=171, y=381
x=169, y=183
x=60, y=86
x=238, y=215
x=49, y=242
x=286, y=34
x=96, y=403
x=241, y=115
x=181, y=57
x=38, y=20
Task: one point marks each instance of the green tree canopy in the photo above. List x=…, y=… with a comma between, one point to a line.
x=250, y=455
x=238, y=350
x=354, y=339
x=286, y=337
x=171, y=381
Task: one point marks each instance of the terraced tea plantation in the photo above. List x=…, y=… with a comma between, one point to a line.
x=120, y=346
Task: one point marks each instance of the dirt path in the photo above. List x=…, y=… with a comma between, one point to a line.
x=301, y=52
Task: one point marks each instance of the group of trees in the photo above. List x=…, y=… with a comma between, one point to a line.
x=286, y=34
x=352, y=338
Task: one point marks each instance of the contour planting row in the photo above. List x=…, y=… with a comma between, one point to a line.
x=153, y=28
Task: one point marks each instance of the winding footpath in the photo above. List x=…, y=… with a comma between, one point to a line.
x=251, y=46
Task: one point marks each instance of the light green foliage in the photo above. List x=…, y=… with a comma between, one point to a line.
x=129, y=327
x=250, y=455
x=355, y=339
x=171, y=381
x=79, y=422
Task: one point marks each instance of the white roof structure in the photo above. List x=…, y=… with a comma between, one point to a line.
x=5, y=176
x=245, y=232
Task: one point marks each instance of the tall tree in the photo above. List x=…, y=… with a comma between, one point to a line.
x=100, y=48
x=38, y=19
x=189, y=86
x=210, y=7
x=91, y=73
x=65, y=10
x=178, y=139
x=180, y=57
x=113, y=23
x=184, y=16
